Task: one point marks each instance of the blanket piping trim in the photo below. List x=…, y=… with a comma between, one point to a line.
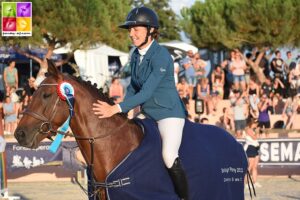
x=112, y=171
x=126, y=180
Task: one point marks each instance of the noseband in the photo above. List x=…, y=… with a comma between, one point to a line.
x=46, y=126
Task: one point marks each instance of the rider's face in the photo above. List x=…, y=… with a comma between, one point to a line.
x=137, y=35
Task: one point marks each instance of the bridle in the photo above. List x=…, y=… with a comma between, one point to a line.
x=46, y=126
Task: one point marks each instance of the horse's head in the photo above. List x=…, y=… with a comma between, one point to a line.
x=45, y=113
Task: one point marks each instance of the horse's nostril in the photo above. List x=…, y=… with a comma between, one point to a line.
x=20, y=134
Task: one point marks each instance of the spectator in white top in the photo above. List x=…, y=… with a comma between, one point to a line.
x=238, y=67
x=240, y=114
x=190, y=73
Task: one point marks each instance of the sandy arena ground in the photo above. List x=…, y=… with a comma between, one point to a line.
x=273, y=188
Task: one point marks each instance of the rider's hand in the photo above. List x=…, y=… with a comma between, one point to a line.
x=104, y=110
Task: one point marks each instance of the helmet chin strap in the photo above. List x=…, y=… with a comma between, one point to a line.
x=146, y=39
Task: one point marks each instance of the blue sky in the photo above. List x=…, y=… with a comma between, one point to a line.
x=178, y=4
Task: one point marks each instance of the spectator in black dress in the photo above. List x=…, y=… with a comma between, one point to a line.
x=268, y=87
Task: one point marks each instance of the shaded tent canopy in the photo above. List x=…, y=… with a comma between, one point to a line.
x=7, y=53
x=94, y=63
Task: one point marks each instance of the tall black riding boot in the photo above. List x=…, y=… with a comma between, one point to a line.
x=179, y=179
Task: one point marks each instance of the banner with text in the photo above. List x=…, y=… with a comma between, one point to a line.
x=22, y=158
x=279, y=156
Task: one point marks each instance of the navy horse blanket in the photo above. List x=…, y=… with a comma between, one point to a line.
x=215, y=164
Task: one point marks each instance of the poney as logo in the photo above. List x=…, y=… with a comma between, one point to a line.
x=16, y=19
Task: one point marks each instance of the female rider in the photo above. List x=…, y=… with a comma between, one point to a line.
x=153, y=88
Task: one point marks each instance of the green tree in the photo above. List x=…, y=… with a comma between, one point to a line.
x=168, y=21
x=218, y=24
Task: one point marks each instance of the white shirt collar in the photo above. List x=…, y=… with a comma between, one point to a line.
x=143, y=51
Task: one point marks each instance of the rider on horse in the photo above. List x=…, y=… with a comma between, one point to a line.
x=153, y=88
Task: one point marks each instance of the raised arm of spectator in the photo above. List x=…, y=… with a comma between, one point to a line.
x=238, y=100
x=213, y=77
x=258, y=89
x=291, y=75
x=35, y=58
x=285, y=107
x=279, y=82
x=262, y=105
x=245, y=97
x=223, y=78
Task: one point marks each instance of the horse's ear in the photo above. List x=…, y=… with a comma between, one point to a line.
x=52, y=70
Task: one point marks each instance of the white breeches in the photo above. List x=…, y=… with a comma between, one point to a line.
x=171, y=134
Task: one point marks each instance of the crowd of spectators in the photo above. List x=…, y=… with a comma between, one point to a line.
x=234, y=79
x=13, y=100
x=238, y=80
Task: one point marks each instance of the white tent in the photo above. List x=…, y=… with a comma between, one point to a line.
x=93, y=63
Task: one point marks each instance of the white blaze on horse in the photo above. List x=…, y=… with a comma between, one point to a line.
x=124, y=156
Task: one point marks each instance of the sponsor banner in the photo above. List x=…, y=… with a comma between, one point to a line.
x=22, y=158
x=279, y=156
x=280, y=152
x=16, y=19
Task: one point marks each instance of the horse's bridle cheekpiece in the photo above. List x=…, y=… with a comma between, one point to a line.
x=65, y=92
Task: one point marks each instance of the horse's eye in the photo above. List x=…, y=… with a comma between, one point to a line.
x=46, y=95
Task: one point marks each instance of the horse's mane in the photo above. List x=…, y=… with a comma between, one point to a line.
x=94, y=90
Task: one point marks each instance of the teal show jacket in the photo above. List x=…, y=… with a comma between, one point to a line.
x=152, y=85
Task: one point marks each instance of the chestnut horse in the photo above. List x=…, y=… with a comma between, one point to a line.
x=105, y=143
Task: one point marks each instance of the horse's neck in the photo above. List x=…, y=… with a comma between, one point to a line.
x=117, y=136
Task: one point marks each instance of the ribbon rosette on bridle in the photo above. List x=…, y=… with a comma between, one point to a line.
x=65, y=91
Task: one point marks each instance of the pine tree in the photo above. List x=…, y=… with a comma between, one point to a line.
x=218, y=24
x=168, y=21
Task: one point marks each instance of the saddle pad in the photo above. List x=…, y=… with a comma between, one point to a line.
x=142, y=175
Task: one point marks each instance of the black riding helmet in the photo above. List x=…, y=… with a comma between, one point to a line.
x=141, y=16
